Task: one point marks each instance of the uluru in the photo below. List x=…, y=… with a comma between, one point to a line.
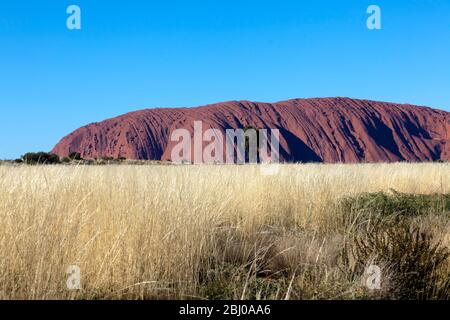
x=329, y=130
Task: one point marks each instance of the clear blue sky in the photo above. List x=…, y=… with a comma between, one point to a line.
x=134, y=54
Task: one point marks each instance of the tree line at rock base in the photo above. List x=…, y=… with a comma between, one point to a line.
x=46, y=158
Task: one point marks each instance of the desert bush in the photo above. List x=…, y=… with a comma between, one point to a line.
x=75, y=156
x=107, y=158
x=397, y=203
x=367, y=209
x=414, y=264
x=40, y=158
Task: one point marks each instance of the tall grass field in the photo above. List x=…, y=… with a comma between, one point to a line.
x=310, y=231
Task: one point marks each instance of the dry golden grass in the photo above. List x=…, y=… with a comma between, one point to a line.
x=144, y=232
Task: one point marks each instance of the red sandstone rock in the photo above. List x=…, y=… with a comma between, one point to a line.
x=323, y=130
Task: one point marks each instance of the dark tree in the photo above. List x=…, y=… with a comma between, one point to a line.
x=40, y=158
x=75, y=156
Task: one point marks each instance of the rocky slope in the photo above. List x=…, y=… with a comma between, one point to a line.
x=319, y=130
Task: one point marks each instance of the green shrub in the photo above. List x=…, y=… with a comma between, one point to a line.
x=382, y=205
x=414, y=265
